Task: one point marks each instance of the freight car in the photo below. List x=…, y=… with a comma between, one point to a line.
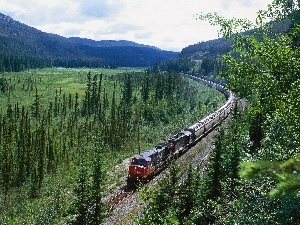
x=147, y=164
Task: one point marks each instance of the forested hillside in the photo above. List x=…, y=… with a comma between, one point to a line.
x=217, y=47
x=253, y=174
x=23, y=47
x=107, y=43
x=205, y=57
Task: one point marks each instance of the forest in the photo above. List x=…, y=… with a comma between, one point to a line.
x=62, y=131
x=252, y=176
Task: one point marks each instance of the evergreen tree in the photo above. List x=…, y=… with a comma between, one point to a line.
x=96, y=205
x=187, y=194
x=145, y=90
x=81, y=192
x=34, y=183
x=41, y=154
x=35, y=108
x=113, y=123
x=128, y=89
x=3, y=85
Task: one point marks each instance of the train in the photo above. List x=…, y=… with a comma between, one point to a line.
x=147, y=164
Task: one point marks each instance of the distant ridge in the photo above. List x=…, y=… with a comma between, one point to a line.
x=25, y=47
x=108, y=43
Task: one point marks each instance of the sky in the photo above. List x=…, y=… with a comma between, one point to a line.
x=166, y=24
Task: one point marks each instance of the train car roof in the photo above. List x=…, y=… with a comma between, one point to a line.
x=181, y=133
x=163, y=145
x=196, y=125
x=147, y=154
x=158, y=148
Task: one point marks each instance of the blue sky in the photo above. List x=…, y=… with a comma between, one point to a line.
x=167, y=24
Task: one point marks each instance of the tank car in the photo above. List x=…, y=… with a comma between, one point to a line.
x=197, y=130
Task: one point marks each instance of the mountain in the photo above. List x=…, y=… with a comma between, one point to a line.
x=22, y=47
x=198, y=51
x=108, y=43
x=221, y=46
x=205, y=57
x=126, y=53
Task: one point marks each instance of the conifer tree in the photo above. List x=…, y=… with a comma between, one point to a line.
x=188, y=194
x=34, y=183
x=214, y=173
x=3, y=85
x=6, y=161
x=56, y=104
x=41, y=150
x=145, y=90
x=97, y=208
x=210, y=190
x=35, y=108
x=234, y=154
x=80, y=203
x=76, y=106
x=128, y=89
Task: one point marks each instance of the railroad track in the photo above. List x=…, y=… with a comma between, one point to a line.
x=117, y=199
x=131, y=206
x=120, y=197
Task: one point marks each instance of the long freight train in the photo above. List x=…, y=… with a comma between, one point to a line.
x=145, y=165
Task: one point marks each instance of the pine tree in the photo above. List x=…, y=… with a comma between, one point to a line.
x=34, y=183
x=210, y=190
x=56, y=104
x=6, y=169
x=188, y=194
x=234, y=154
x=76, y=107
x=215, y=171
x=97, y=208
x=80, y=203
x=128, y=89
x=35, y=107
x=145, y=90
x=41, y=151
x=113, y=123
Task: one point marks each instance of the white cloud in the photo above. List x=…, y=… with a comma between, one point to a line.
x=167, y=24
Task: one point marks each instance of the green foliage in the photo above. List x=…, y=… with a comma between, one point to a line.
x=228, y=27
x=51, y=120
x=182, y=64
x=286, y=174
x=161, y=206
x=87, y=206
x=263, y=68
x=196, y=199
x=98, y=177
x=81, y=200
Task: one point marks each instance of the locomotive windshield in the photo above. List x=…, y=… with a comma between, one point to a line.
x=138, y=162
